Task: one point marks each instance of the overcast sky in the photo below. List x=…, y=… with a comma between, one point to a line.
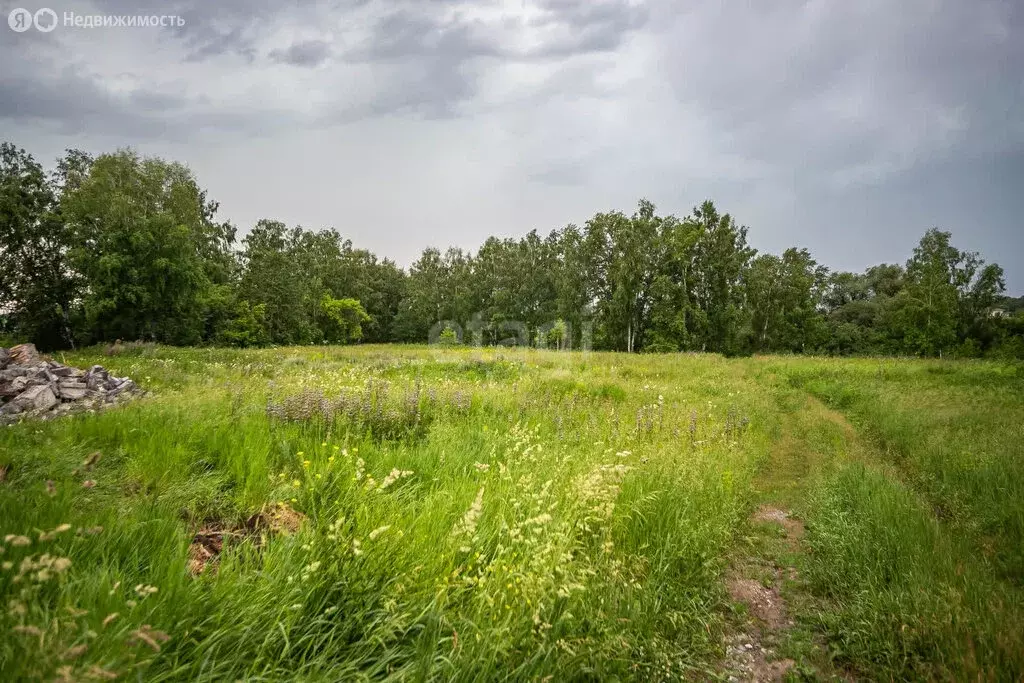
x=846, y=127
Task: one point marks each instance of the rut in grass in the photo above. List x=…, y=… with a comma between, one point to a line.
x=751, y=651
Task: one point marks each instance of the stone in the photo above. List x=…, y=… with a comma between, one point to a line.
x=11, y=408
x=125, y=386
x=11, y=372
x=14, y=387
x=36, y=398
x=70, y=390
x=24, y=354
x=47, y=389
x=5, y=357
x=96, y=377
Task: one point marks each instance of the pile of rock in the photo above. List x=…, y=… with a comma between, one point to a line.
x=33, y=387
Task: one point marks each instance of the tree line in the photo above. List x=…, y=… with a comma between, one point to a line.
x=121, y=246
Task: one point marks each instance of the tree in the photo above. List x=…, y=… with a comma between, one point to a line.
x=271, y=277
x=343, y=320
x=721, y=260
x=248, y=327
x=928, y=316
x=143, y=241
x=38, y=287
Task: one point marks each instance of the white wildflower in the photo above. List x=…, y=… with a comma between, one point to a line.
x=393, y=476
x=467, y=527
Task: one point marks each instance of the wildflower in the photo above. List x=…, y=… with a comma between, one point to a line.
x=481, y=466
x=394, y=476
x=74, y=652
x=150, y=637
x=100, y=674
x=28, y=630
x=306, y=463
x=360, y=469
x=357, y=547
x=144, y=590
x=296, y=483
x=50, y=535
x=469, y=521
x=378, y=531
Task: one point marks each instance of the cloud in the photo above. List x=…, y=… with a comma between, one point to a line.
x=306, y=53
x=813, y=122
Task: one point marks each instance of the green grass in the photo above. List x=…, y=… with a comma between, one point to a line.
x=526, y=515
x=916, y=541
x=595, y=552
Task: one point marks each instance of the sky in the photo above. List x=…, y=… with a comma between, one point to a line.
x=848, y=128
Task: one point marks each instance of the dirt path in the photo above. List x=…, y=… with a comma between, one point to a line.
x=755, y=584
x=763, y=578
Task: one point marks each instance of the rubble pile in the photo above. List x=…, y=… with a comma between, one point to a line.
x=33, y=387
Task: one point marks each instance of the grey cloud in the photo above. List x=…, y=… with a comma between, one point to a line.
x=425, y=29
x=822, y=88
x=72, y=103
x=439, y=56
x=812, y=121
x=305, y=53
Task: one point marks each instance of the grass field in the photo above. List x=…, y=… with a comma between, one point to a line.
x=424, y=514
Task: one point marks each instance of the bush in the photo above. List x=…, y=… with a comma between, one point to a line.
x=247, y=328
x=448, y=337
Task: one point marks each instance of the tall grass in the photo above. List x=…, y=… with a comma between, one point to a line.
x=478, y=516
x=916, y=542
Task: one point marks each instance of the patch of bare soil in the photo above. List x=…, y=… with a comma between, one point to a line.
x=208, y=543
x=794, y=528
x=749, y=655
x=764, y=602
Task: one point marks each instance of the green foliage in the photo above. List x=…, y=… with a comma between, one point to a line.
x=342, y=320
x=448, y=337
x=453, y=528
x=127, y=247
x=142, y=236
x=248, y=327
x=37, y=288
x=558, y=335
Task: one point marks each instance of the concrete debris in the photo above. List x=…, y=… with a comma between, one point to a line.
x=33, y=387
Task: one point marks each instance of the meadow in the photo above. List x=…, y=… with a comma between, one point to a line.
x=421, y=513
